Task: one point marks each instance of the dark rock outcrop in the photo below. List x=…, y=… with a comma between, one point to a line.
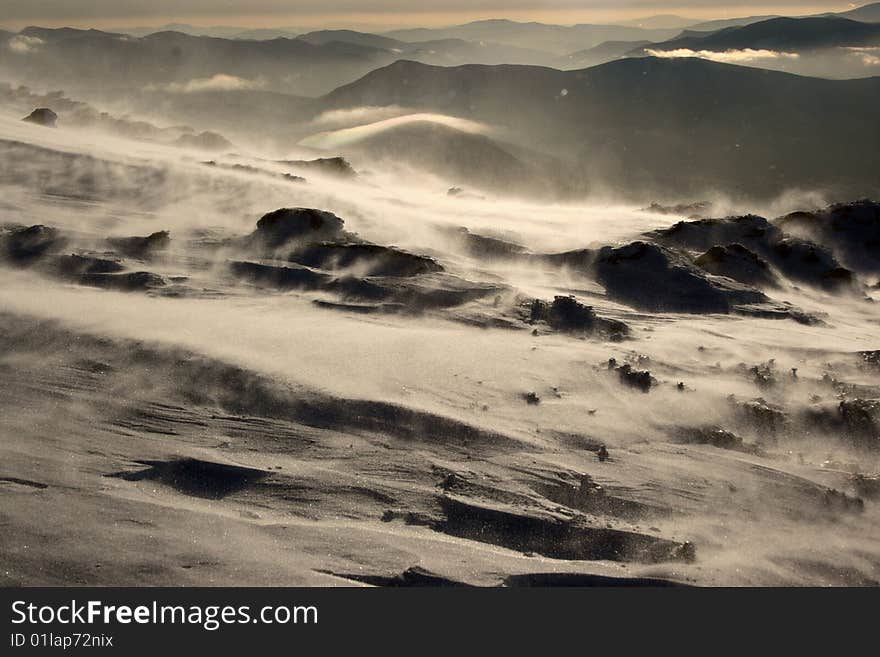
x=282, y=278
x=333, y=166
x=204, y=141
x=42, y=116
x=245, y=168
x=291, y=226
x=37, y=247
x=581, y=260
x=74, y=266
x=413, y=295
x=23, y=246
x=484, y=246
x=810, y=263
x=861, y=419
x=330, y=259
x=800, y=260
x=716, y=437
x=750, y=230
x=692, y=210
x=761, y=416
x=654, y=278
x=739, y=263
x=638, y=379
x=851, y=229
x=369, y=259
x=568, y=315
x=137, y=281
x=142, y=248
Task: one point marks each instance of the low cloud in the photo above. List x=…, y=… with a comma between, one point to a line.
x=22, y=44
x=219, y=82
x=746, y=56
x=870, y=55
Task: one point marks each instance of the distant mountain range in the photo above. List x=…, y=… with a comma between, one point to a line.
x=103, y=60
x=217, y=31
x=564, y=40
x=604, y=52
x=671, y=124
x=661, y=126
x=819, y=46
x=441, y=52
x=660, y=22
x=724, y=23
x=869, y=13
x=314, y=63
x=783, y=34
x=558, y=39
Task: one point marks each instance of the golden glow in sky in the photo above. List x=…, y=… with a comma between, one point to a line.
x=377, y=14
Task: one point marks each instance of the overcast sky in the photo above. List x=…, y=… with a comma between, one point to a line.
x=385, y=13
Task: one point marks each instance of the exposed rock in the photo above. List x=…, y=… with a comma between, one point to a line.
x=142, y=248
x=716, y=437
x=415, y=295
x=798, y=259
x=73, y=266
x=840, y=502
x=568, y=315
x=763, y=374
x=438, y=290
x=195, y=477
x=296, y=225
x=583, y=580
x=553, y=537
x=334, y=166
x=283, y=278
x=414, y=577
x=361, y=308
x=130, y=282
x=42, y=116
x=775, y=310
x=581, y=260
x=652, y=277
x=750, y=230
x=245, y=168
x=581, y=492
x=22, y=246
x=205, y=141
x=692, y=210
x=483, y=246
x=739, y=263
x=866, y=485
x=369, y=259
x=861, y=418
x=851, y=229
x=639, y=379
x=804, y=261
x=870, y=359
x=762, y=416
